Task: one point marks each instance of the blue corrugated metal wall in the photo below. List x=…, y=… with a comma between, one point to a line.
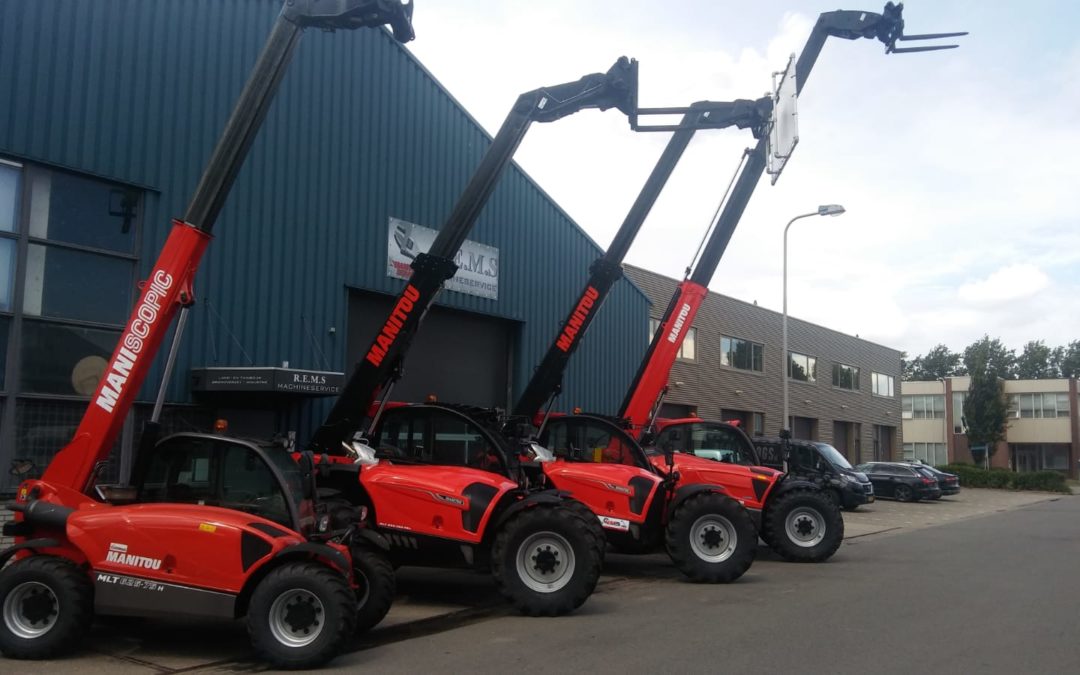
x=138, y=90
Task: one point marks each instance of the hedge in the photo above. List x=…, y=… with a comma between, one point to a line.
x=973, y=476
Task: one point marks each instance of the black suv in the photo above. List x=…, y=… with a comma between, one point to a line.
x=821, y=463
x=903, y=482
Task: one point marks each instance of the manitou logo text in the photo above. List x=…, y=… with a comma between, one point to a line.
x=392, y=327
x=133, y=340
x=581, y=312
x=118, y=554
x=679, y=321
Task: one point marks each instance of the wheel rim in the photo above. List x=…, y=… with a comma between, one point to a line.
x=31, y=610
x=545, y=562
x=713, y=538
x=903, y=493
x=805, y=527
x=297, y=618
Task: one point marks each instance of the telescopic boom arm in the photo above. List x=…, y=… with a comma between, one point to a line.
x=652, y=375
x=381, y=364
x=169, y=287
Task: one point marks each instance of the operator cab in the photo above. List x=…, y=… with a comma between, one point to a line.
x=439, y=435
x=229, y=473
x=710, y=440
x=588, y=438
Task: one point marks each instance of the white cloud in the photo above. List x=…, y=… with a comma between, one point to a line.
x=1013, y=282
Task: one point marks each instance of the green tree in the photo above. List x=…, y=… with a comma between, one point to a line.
x=992, y=356
x=985, y=408
x=1067, y=359
x=938, y=362
x=1036, y=362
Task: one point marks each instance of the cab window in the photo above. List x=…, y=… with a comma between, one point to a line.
x=671, y=439
x=589, y=441
x=435, y=437
x=721, y=444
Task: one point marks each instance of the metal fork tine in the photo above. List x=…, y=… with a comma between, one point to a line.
x=931, y=36
x=909, y=50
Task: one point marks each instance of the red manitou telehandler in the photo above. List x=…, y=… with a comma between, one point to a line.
x=215, y=527
x=795, y=518
x=544, y=549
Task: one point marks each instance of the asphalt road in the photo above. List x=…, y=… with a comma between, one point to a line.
x=993, y=594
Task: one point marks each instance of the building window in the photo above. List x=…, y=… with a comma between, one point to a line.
x=882, y=385
x=845, y=377
x=76, y=286
x=688, y=348
x=1039, y=406
x=759, y=424
x=933, y=454
x=958, y=398
x=741, y=354
x=924, y=407
x=802, y=367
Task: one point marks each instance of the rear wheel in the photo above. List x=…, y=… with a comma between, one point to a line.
x=47, y=607
x=546, y=559
x=803, y=526
x=300, y=615
x=376, y=586
x=711, y=538
x=904, y=493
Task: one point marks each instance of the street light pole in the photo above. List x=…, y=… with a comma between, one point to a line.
x=824, y=210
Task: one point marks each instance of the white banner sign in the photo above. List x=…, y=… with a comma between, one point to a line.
x=478, y=265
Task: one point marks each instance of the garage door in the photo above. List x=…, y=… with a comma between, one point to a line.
x=460, y=357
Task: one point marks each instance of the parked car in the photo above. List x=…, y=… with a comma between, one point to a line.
x=948, y=483
x=900, y=481
x=821, y=463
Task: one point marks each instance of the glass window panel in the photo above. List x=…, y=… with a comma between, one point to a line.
x=688, y=350
x=42, y=428
x=82, y=211
x=759, y=359
x=9, y=197
x=725, y=349
x=5, y=328
x=71, y=284
x=907, y=408
x=1027, y=406
x=654, y=325
x=7, y=273
x=1049, y=402
x=58, y=359
x=958, y=412
x=920, y=407
x=811, y=368
x=1062, y=405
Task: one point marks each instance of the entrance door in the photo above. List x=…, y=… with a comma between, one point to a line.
x=883, y=443
x=840, y=437
x=804, y=428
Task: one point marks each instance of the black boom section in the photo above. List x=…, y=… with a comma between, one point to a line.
x=381, y=364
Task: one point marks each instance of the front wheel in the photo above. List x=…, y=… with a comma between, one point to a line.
x=711, y=538
x=376, y=586
x=48, y=606
x=546, y=560
x=300, y=615
x=803, y=526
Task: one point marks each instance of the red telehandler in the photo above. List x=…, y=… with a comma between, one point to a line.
x=793, y=519
x=219, y=528
x=544, y=549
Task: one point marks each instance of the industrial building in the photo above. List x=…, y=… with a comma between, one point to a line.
x=108, y=112
x=843, y=390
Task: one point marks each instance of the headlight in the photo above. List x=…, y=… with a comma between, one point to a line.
x=844, y=478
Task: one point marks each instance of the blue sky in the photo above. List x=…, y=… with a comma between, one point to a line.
x=958, y=168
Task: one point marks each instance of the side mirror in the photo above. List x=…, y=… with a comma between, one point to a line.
x=360, y=452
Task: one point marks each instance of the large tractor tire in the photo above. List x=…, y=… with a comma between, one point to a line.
x=591, y=518
x=546, y=560
x=300, y=615
x=803, y=526
x=47, y=604
x=711, y=539
x=376, y=587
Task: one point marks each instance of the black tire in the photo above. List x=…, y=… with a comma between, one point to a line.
x=803, y=526
x=546, y=559
x=586, y=514
x=904, y=493
x=710, y=522
x=376, y=587
x=298, y=597
x=47, y=606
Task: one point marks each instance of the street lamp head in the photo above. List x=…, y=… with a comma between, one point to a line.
x=830, y=210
